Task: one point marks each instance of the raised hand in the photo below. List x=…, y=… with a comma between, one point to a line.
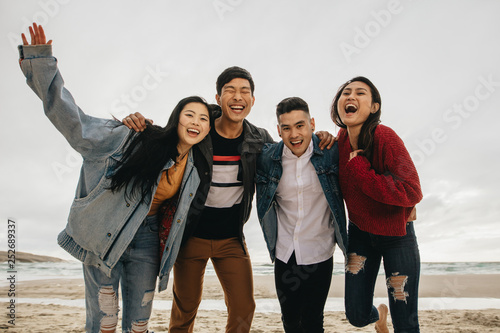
x=37, y=36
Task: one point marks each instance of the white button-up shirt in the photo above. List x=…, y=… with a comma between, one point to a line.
x=303, y=212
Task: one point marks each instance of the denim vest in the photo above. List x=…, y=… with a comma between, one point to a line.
x=101, y=224
x=269, y=171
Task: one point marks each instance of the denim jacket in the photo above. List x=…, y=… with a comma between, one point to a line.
x=269, y=171
x=101, y=224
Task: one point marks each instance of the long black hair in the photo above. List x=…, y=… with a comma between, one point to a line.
x=147, y=152
x=367, y=134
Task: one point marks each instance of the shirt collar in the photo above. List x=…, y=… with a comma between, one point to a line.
x=287, y=153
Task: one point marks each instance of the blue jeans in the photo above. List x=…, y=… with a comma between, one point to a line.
x=136, y=271
x=402, y=271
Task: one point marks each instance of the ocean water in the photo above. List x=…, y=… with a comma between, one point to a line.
x=73, y=269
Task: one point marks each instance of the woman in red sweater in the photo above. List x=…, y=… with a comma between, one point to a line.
x=381, y=187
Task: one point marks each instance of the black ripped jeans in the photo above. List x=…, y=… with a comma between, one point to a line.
x=402, y=271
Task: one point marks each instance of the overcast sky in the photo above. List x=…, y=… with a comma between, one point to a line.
x=434, y=62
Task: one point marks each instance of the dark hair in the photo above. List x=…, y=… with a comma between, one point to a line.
x=367, y=134
x=290, y=104
x=231, y=73
x=147, y=152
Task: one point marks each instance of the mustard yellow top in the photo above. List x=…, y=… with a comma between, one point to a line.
x=168, y=188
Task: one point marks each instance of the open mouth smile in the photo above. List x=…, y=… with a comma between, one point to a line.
x=237, y=108
x=193, y=132
x=351, y=108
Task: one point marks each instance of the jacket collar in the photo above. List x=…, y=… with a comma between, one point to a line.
x=250, y=132
x=278, y=151
x=252, y=137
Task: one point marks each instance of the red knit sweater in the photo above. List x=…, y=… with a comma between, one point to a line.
x=379, y=195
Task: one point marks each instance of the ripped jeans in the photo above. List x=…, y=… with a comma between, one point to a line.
x=136, y=271
x=402, y=271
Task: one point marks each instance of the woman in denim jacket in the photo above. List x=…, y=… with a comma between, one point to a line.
x=126, y=178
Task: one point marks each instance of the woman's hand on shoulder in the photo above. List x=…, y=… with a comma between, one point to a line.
x=326, y=139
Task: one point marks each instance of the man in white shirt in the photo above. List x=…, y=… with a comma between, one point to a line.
x=302, y=215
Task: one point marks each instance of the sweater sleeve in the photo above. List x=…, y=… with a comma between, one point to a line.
x=92, y=137
x=399, y=185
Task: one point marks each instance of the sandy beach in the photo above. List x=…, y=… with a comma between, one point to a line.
x=34, y=317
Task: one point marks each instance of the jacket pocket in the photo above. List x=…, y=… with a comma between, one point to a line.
x=94, y=181
x=260, y=178
x=330, y=170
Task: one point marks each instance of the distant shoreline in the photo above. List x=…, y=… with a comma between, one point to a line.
x=29, y=257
